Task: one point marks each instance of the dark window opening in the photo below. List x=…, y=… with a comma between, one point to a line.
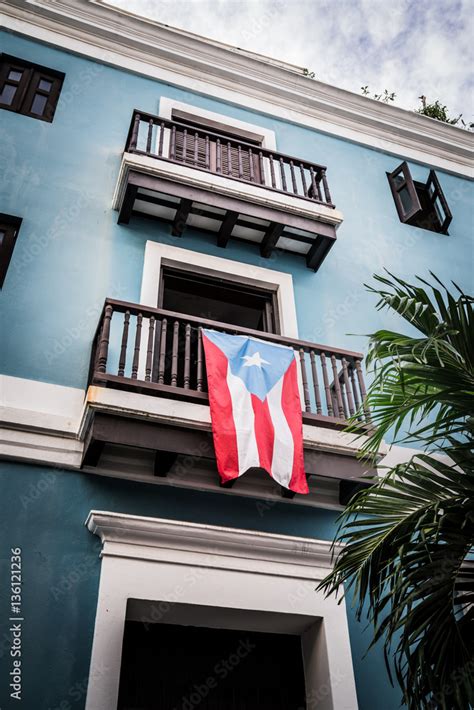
x=218, y=299
x=172, y=667
x=28, y=88
x=9, y=227
x=419, y=204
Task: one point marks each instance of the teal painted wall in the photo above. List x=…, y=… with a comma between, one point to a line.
x=43, y=511
x=71, y=253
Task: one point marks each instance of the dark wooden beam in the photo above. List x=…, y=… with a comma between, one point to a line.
x=127, y=204
x=286, y=493
x=227, y=226
x=92, y=452
x=164, y=460
x=272, y=235
x=317, y=252
x=182, y=214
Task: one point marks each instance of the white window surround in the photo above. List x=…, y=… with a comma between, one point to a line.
x=244, y=575
x=155, y=252
x=266, y=135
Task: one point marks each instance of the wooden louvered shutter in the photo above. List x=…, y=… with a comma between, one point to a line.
x=252, y=175
x=190, y=158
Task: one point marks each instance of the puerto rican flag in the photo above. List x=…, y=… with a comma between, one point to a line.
x=255, y=408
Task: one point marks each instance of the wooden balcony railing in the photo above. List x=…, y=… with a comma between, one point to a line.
x=159, y=352
x=233, y=158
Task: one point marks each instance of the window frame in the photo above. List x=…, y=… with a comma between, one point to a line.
x=409, y=184
x=10, y=226
x=28, y=87
x=424, y=212
x=238, y=283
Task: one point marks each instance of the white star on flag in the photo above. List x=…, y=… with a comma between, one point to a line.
x=254, y=359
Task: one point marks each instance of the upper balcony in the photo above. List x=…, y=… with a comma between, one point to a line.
x=236, y=188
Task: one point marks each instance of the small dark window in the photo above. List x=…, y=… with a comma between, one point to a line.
x=9, y=227
x=28, y=88
x=419, y=204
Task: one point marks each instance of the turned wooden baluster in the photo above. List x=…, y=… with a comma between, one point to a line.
x=123, y=348
x=307, y=402
x=208, y=154
x=199, y=362
x=174, y=355
x=315, y=186
x=196, y=148
x=360, y=378
x=314, y=372
x=251, y=167
x=136, y=351
x=135, y=129
x=354, y=389
x=293, y=177
x=173, y=143
x=350, y=399
x=272, y=170
x=187, y=356
x=218, y=156
x=162, y=360
x=162, y=134
x=337, y=387
x=283, y=176
x=149, y=136
x=344, y=399
x=327, y=389
x=149, y=351
x=104, y=340
x=241, y=169
x=260, y=163
x=327, y=194
x=185, y=146
x=303, y=180
x=229, y=159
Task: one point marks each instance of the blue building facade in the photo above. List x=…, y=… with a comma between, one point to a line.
x=69, y=447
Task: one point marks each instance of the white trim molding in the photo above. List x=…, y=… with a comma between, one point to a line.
x=116, y=37
x=267, y=136
x=155, y=252
x=247, y=574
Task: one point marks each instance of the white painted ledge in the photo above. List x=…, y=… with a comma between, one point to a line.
x=212, y=182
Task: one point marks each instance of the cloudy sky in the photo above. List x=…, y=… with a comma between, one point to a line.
x=410, y=47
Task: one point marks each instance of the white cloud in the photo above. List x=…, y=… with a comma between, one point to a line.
x=411, y=47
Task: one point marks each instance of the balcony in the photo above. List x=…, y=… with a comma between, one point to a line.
x=157, y=352
x=190, y=176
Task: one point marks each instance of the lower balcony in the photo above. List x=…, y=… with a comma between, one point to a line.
x=158, y=353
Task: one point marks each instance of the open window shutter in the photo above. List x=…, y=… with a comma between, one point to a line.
x=404, y=192
x=438, y=201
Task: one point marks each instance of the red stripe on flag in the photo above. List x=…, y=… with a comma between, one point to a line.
x=220, y=401
x=264, y=432
x=291, y=404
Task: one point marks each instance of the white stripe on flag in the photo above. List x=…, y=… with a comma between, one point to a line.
x=284, y=446
x=244, y=421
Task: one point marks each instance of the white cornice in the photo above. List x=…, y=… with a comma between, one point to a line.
x=150, y=538
x=90, y=28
